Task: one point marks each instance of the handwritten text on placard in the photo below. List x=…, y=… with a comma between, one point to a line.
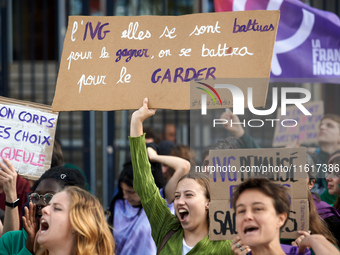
x=105, y=58
x=27, y=136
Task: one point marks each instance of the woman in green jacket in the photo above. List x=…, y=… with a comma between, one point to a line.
x=187, y=233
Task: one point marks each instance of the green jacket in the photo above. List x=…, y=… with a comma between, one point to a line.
x=13, y=243
x=160, y=217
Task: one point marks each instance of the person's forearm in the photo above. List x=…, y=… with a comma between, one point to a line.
x=174, y=162
x=322, y=246
x=138, y=118
x=239, y=132
x=319, y=244
x=136, y=128
x=9, y=179
x=182, y=168
x=12, y=221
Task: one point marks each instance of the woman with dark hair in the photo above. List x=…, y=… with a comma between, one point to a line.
x=187, y=233
x=51, y=182
x=131, y=227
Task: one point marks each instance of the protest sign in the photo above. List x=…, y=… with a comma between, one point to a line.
x=113, y=63
x=229, y=168
x=27, y=136
x=305, y=129
x=223, y=220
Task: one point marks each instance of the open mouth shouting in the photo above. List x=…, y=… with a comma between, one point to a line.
x=250, y=230
x=183, y=214
x=43, y=226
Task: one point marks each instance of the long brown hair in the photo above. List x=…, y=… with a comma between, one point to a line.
x=316, y=224
x=335, y=160
x=337, y=204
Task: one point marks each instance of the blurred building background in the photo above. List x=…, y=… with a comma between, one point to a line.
x=32, y=34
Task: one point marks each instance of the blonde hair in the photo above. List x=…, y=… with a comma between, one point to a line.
x=93, y=235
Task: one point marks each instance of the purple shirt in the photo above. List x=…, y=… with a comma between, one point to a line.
x=292, y=250
x=132, y=231
x=325, y=210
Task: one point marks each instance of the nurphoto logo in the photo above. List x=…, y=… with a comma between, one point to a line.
x=238, y=100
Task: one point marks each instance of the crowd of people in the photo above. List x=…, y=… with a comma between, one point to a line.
x=161, y=207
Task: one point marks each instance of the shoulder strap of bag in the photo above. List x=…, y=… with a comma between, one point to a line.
x=166, y=238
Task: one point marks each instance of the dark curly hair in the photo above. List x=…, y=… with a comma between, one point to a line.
x=63, y=176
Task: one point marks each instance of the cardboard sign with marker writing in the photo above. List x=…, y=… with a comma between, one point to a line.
x=305, y=129
x=112, y=63
x=223, y=220
x=27, y=136
x=229, y=168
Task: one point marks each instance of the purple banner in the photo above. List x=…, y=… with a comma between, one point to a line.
x=307, y=47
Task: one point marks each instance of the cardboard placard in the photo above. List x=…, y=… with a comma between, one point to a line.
x=27, y=136
x=286, y=166
x=223, y=220
x=229, y=168
x=112, y=63
x=307, y=128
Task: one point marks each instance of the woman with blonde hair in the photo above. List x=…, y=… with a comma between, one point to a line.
x=74, y=223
